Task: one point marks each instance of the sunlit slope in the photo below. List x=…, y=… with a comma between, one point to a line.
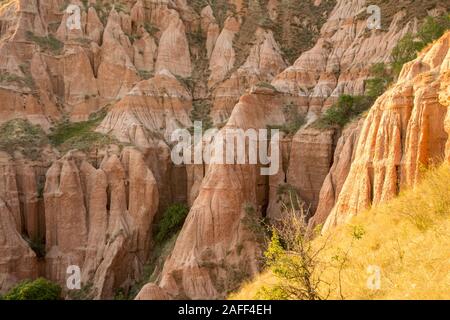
x=407, y=238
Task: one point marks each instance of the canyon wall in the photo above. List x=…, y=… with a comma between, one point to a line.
x=406, y=130
x=99, y=220
x=338, y=64
x=152, y=67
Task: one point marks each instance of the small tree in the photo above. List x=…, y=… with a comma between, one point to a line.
x=172, y=219
x=405, y=51
x=344, y=110
x=407, y=48
x=39, y=289
x=294, y=260
x=381, y=78
x=433, y=28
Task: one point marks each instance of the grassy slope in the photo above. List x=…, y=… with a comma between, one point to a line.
x=21, y=135
x=408, y=237
x=81, y=135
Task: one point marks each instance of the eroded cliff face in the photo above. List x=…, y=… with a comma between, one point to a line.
x=161, y=104
x=335, y=179
x=62, y=212
x=340, y=60
x=156, y=66
x=404, y=131
x=317, y=78
x=99, y=220
x=143, y=61
x=22, y=222
x=18, y=261
x=218, y=246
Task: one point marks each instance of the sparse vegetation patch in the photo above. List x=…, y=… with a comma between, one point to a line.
x=80, y=135
x=344, y=110
x=20, y=135
x=39, y=289
x=48, y=44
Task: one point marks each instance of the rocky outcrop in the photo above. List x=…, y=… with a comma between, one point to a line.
x=263, y=63
x=280, y=193
x=340, y=61
x=223, y=55
x=211, y=28
x=404, y=131
x=116, y=72
x=8, y=19
x=335, y=179
x=16, y=51
x=159, y=105
x=173, y=50
x=17, y=260
x=21, y=219
x=99, y=220
x=218, y=247
x=98, y=64
x=153, y=291
x=94, y=27
x=310, y=160
x=145, y=52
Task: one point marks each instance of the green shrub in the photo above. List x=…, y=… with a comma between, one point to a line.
x=39, y=289
x=86, y=292
x=375, y=87
x=21, y=135
x=132, y=37
x=26, y=80
x=48, y=44
x=83, y=41
x=286, y=193
x=267, y=85
x=172, y=219
x=433, y=28
x=344, y=110
x=405, y=51
x=381, y=79
x=151, y=29
x=187, y=82
x=201, y=110
x=255, y=222
x=80, y=135
x=144, y=74
x=407, y=48
x=293, y=260
x=196, y=38
x=37, y=245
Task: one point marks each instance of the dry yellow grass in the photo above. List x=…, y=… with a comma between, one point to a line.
x=407, y=238
x=6, y=3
